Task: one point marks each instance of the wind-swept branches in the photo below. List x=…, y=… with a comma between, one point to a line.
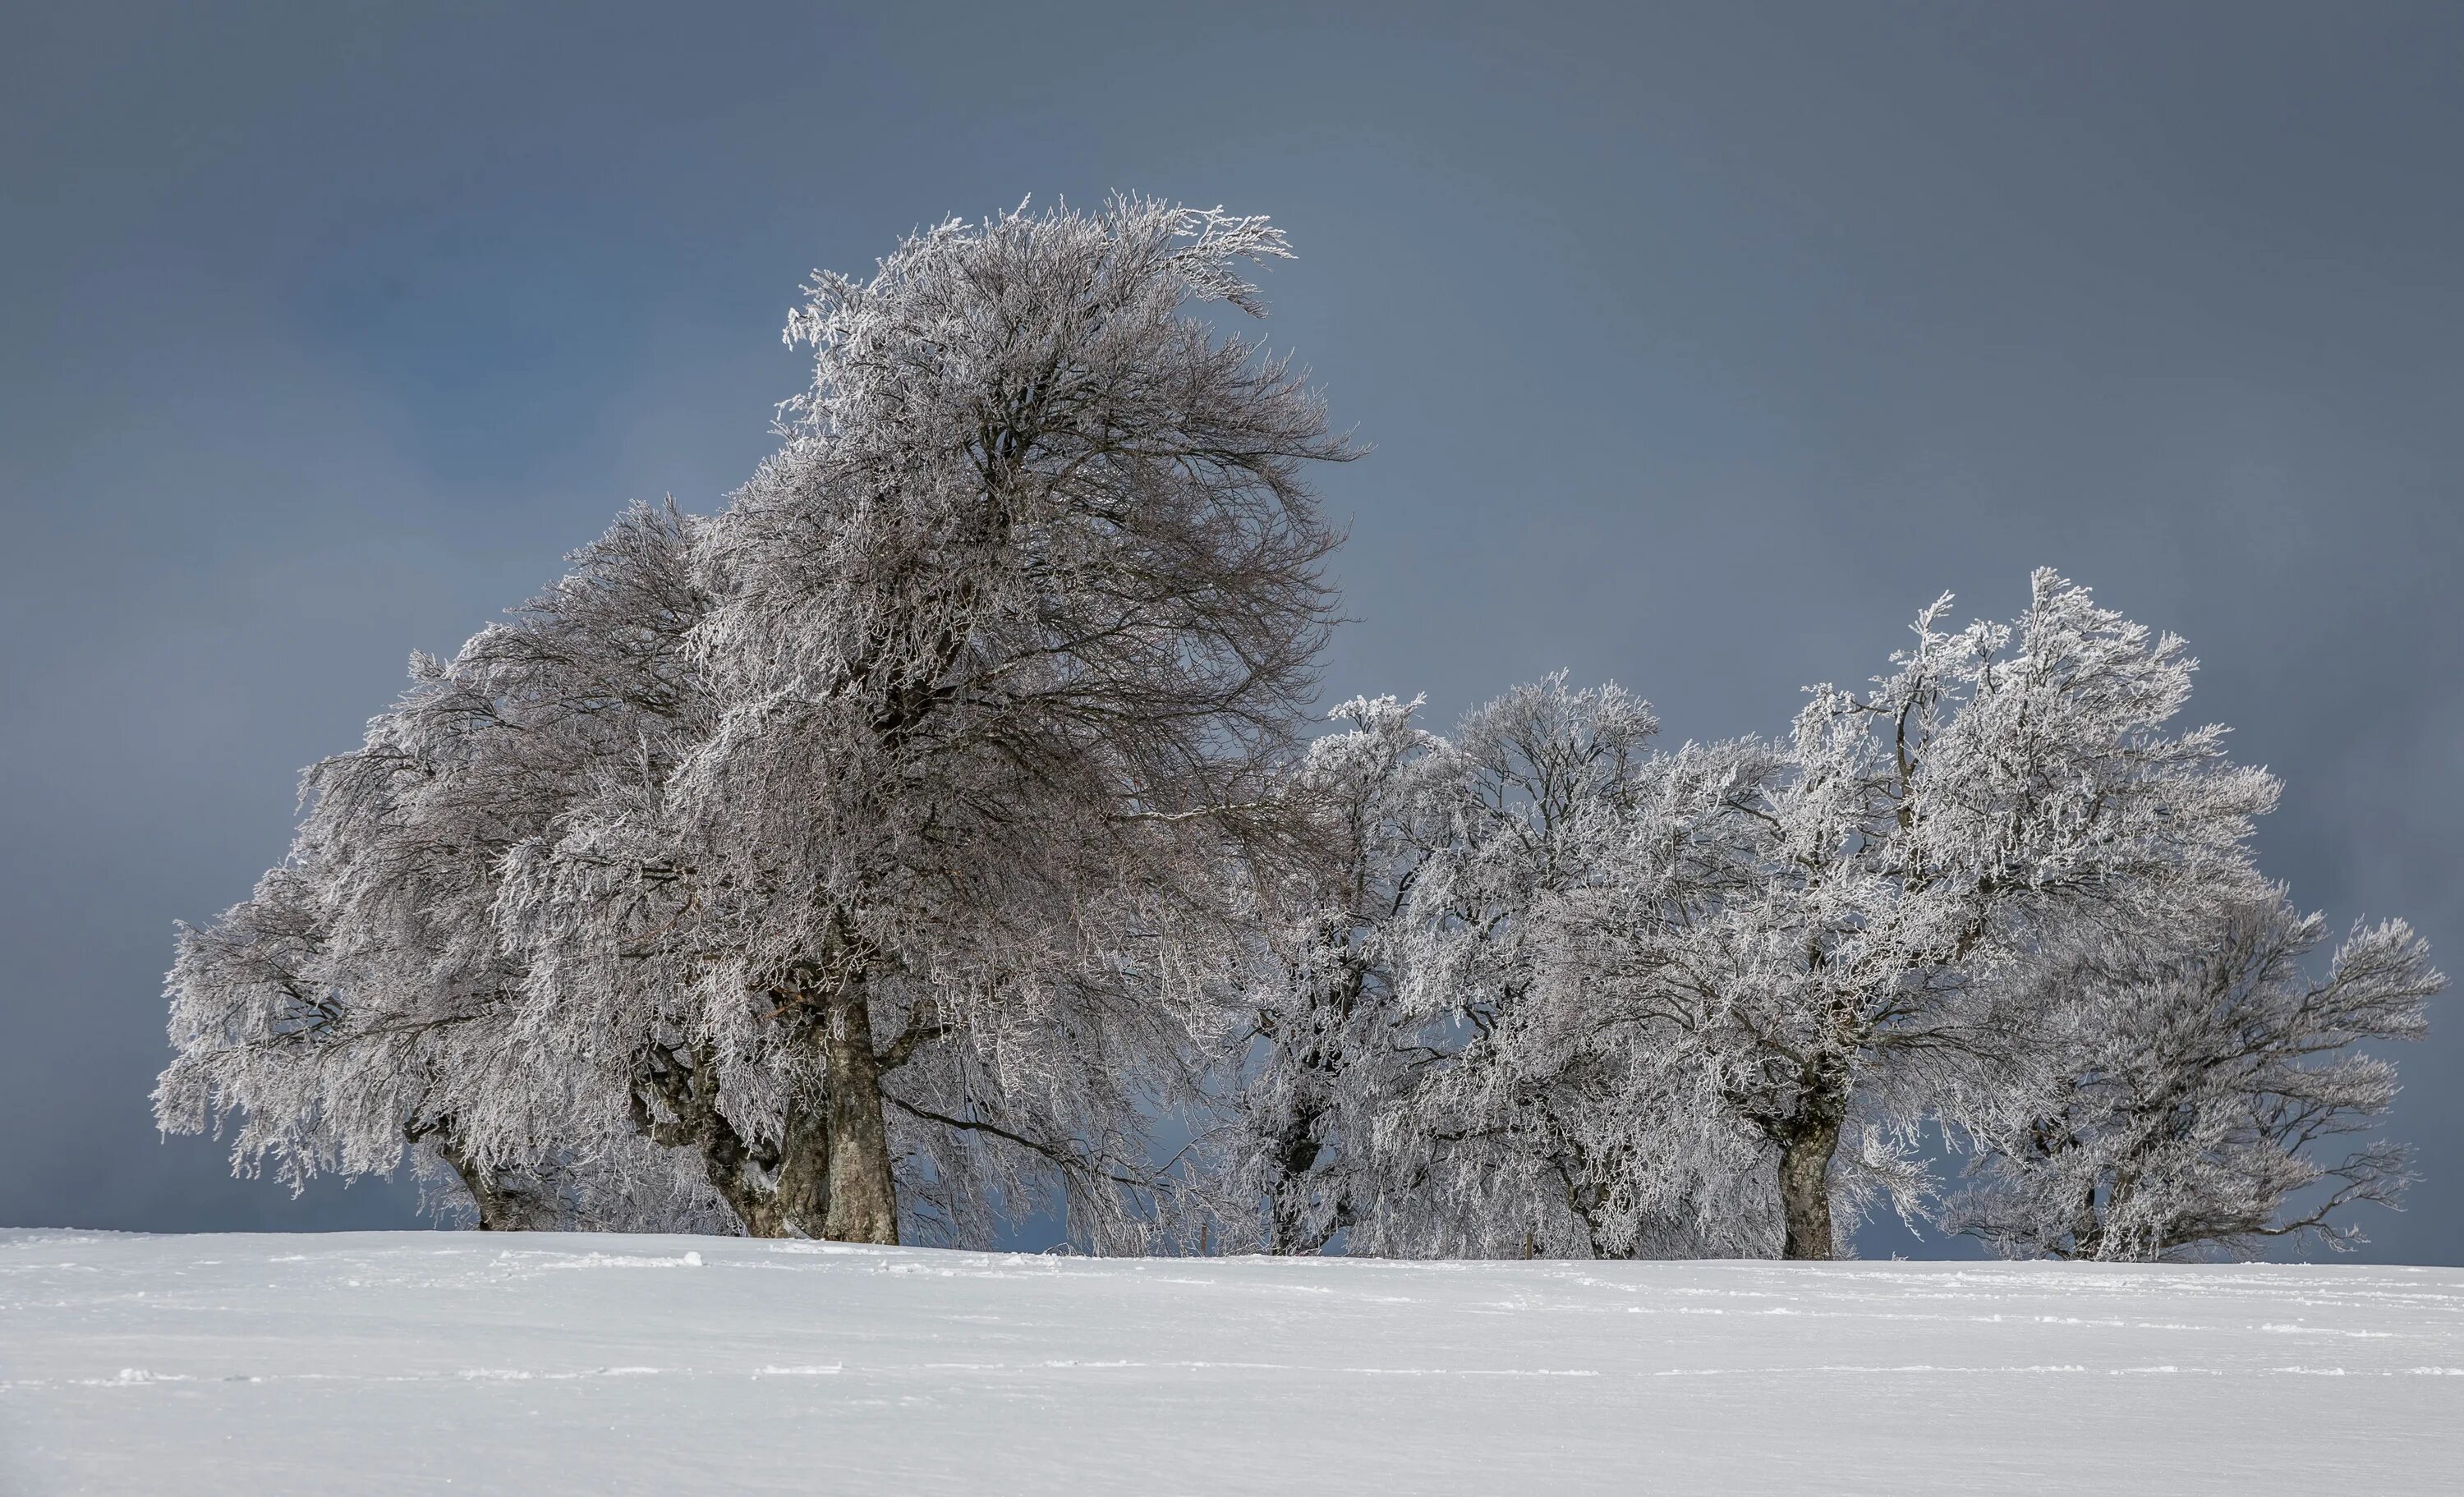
x=916, y=776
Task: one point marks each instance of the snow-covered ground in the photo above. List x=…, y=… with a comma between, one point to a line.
x=398, y=1362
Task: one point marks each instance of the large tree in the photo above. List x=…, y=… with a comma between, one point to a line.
x=899, y=897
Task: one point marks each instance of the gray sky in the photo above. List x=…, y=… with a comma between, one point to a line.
x=1701, y=346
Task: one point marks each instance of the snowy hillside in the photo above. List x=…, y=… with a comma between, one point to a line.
x=404, y=1362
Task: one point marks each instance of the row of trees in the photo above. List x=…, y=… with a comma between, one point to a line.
x=905, y=848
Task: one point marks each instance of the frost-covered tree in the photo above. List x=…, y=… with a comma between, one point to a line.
x=2183, y=1078
x=1694, y=1001
x=877, y=870
x=1494, y=1146
x=360, y=1003
x=1419, y=1092
x=888, y=853
x=1328, y=1043
x=1802, y=935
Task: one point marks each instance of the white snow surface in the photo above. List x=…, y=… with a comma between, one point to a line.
x=422, y=1362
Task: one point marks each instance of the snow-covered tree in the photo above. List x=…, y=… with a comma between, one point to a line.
x=888, y=853
x=1419, y=1092
x=360, y=1003
x=1654, y=993
x=1802, y=935
x=863, y=848
x=1328, y=1043
x=1494, y=1146
x=2183, y=1077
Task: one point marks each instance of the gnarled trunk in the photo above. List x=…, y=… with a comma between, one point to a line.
x=793, y=1204
x=1292, y=1226
x=1805, y=1191
x=829, y=1173
x=503, y=1207
x=686, y=1082
x=1807, y=1145
x=800, y=1197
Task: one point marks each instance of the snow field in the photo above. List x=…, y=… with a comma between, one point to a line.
x=541, y=1363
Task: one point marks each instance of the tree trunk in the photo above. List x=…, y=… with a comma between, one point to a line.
x=799, y=1199
x=729, y=1161
x=502, y=1208
x=1805, y=1157
x=829, y=1175
x=1290, y=1223
x=1805, y=1191
x=862, y=1195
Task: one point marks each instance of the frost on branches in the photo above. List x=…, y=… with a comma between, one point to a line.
x=1328, y=1042
x=362, y=1000
x=1802, y=938
x=2180, y=1079
x=910, y=843
x=874, y=869
x=1593, y=999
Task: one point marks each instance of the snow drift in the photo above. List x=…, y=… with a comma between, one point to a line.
x=533, y=1363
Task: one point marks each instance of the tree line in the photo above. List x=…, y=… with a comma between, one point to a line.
x=929, y=837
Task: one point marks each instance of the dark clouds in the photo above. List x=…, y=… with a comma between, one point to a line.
x=1700, y=347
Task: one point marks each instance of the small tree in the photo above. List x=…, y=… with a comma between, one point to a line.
x=1493, y=1143
x=1328, y=1043
x=1419, y=1091
x=2183, y=1078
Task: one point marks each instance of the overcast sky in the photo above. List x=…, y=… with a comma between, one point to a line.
x=1700, y=346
